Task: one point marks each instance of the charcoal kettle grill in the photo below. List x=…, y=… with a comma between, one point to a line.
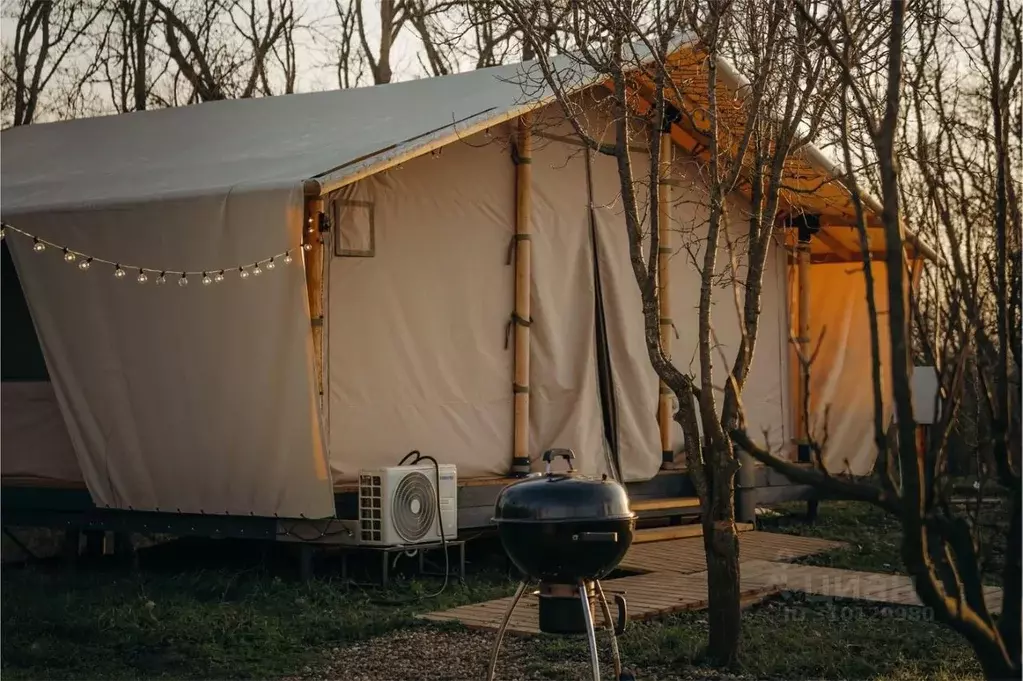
x=567, y=531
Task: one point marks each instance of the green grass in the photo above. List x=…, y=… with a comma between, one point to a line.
x=200, y=623
x=186, y=615
x=873, y=536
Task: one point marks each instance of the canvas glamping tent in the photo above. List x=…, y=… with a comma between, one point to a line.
x=398, y=209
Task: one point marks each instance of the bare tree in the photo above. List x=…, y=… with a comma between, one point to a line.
x=126, y=56
x=346, y=54
x=740, y=151
x=392, y=15
x=223, y=49
x=937, y=134
x=480, y=33
x=45, y=34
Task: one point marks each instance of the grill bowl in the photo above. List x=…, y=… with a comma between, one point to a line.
x=567, y=551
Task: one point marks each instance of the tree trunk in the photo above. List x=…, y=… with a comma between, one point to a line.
x=1011, y=580
x=140, y=88
x=382, y=74
x=721, y=545
x=993, y=664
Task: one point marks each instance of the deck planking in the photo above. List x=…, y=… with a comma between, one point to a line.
x=651, y=595
x=673, y=578
x=687, y=555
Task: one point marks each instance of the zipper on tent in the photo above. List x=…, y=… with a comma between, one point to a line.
x=605, y=378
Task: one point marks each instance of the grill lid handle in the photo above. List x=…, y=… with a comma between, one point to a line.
x=566, y=454
x=595, y=536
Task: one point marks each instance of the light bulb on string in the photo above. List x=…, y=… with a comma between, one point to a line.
x=307, y=246
x=84, y=262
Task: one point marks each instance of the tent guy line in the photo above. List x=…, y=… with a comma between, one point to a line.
x=209, y=276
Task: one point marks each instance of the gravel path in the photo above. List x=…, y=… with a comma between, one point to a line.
x=431, y=654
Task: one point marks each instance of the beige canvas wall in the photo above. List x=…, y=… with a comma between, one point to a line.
x=34, y=441
x=417, y=355
x=564, y=401
x=416, y=333
x=634, y=379
x=841, y=389
x=765, y=396
x=194, y=398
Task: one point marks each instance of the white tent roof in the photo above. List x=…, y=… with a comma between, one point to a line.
x=237, y=145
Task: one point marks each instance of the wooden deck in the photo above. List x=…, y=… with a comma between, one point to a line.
x=680, y=582
x=656, y=594
x=686, y=555
x=674, y=578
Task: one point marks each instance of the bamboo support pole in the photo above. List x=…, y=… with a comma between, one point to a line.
x=521, y=318
x=313, y=253
x=803, y=345
x=664, y=252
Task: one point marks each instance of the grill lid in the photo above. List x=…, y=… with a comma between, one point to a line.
x=562, y=497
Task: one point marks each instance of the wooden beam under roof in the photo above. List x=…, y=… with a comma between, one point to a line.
x=836, y=246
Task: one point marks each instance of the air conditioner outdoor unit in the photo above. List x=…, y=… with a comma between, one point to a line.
x=398, y=505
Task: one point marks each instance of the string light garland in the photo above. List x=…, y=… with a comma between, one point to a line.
x=215, y=275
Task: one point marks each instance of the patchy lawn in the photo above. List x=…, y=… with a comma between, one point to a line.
x=199, y=610
x=875, y=537
x=220, y=610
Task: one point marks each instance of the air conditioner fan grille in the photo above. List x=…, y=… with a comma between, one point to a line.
x=413, y=507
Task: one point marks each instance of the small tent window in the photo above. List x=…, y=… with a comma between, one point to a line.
x=354, y=231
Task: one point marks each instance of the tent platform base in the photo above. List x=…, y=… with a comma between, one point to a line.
x=37, y=502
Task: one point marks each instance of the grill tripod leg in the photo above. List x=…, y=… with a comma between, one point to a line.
x=609, y=621
x=591, y=636
x=492, y=669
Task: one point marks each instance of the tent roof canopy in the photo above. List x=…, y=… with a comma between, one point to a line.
x=324, y=140
x=238, y=145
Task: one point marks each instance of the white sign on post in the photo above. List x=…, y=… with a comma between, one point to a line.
x=925, y=392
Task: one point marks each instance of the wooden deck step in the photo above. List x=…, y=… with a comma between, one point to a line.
x=677, y=532
x=670, y=504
